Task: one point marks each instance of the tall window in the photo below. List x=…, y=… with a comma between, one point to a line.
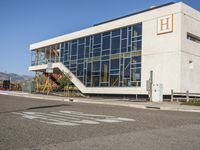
x=107, y=59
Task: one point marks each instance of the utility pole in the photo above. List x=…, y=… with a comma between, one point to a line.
x=10, y=84
x=151, y=85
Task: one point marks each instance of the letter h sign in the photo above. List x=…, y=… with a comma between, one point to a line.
x=165, y=24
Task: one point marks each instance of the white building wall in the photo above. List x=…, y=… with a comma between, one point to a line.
x=190, y=51
x=166, y=54
x=161, y=53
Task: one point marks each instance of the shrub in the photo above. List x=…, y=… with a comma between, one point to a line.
x=194, y=102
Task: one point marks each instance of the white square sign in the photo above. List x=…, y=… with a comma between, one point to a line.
x=165, y=24
x=49, y=68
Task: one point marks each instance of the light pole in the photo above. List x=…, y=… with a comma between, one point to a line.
x=10, y=84
x=150, y=85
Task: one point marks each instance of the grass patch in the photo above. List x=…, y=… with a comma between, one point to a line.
x=193, y=102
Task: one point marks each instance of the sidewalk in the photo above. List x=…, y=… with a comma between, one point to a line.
x=115, y=102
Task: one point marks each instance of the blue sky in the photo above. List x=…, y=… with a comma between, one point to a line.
x=23, y=22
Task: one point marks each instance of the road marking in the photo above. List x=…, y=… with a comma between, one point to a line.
x=70, y=118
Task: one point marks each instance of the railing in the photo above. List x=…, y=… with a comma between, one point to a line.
x=45, y=61
x=183, y=96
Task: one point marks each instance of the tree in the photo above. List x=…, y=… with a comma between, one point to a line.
x=64, y=79
x=65, y=82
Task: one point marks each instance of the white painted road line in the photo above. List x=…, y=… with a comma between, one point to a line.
x=70, y=118
x=46, y=119
x=101, y=118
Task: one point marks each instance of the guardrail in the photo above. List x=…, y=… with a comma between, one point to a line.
x=183, y=95
x=45, y=61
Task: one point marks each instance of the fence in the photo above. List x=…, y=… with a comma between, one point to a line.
x=183, y=96
x=28, y=86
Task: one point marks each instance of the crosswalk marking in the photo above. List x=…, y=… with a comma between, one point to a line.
x=71, y=118
x=100, y=118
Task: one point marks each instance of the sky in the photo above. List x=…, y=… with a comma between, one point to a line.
x=23, y=22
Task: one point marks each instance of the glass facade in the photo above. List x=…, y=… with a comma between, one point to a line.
x=108, y=59
x=45, y=55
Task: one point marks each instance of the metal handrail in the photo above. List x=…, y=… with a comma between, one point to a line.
x=45, y=61
x=187, y=95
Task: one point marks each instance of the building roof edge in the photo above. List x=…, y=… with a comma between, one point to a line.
x=135, y=13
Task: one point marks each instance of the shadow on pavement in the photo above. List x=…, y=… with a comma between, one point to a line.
x=36, y=107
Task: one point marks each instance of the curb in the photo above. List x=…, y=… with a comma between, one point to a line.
x=150, y=107
x=32, y=96
x=172, y=109
x=180, y=109
x=109, y=103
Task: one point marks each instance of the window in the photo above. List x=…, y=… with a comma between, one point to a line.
x=41, y=56
x=97, y=39
x=74, y=41
x=124, y=43
x=62, y=45
x=116, y=32
x=104, y=71
x=136, y=59
x=95, y=81
x=87, y=52
x=137, y=46
x=105, y=52
x=127, y=68
x=61, y=54
x=73, y=57
x=106, y=33
x=111, y=58
x=81, y=40
x=87, y=41
x=66, y=45
x=96, y=66
x=114, y=80
x=115, y=45
x=80, y=51
x=88, y=78
x=124, y=33
x=80, y=70
x=115, y=64
x=33, y=57
x=97, y=52
x=74, y=49
x=136, y=74
x=106, y=42
x=137, y=29
x=193, y=38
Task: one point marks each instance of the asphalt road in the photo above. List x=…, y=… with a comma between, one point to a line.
x=35, y=124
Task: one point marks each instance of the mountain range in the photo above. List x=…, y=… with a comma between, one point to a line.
x=14, y=77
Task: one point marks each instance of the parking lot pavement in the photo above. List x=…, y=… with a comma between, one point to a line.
x=29, y=124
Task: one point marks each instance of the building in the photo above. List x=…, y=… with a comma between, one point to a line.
x=116, y=56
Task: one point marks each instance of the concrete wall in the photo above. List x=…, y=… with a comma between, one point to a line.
x=161, y=53
x=190, y=51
